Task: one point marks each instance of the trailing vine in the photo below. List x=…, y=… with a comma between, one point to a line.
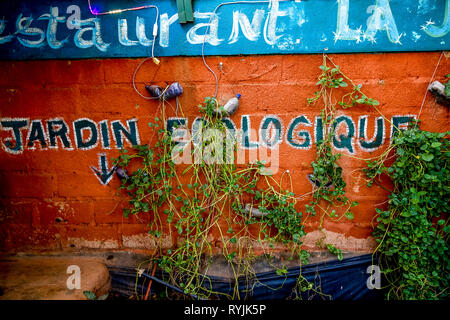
x=188, y=202
x=329, y=193
x=412, y=234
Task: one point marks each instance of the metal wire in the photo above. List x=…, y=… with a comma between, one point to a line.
x=207, y=30
x=154, y=36
x=117, y=10
x=134, y=82
x=431, y=80
x=155, y=25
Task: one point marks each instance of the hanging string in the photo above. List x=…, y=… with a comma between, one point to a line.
x=431, y=80
x=207, y=30
x=95, y=12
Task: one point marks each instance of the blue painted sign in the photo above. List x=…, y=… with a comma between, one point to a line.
x=71, y=29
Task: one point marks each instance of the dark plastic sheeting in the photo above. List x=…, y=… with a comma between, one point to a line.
x=337, y=280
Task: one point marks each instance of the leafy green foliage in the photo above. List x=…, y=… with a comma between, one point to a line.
x=413, y=232
x=213, y=193
x=327, y=174
x=335, y=251
x=281, y=214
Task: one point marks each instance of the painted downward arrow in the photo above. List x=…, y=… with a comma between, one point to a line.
x=103, y=174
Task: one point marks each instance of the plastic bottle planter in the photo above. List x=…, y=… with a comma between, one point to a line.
x=229, y=108
x=154, y=90
x=121, y=173
x=438, y=90
x=174, y=90
x=254, y=212
x=315, y=182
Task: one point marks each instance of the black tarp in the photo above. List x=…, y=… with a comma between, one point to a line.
x=336, y=280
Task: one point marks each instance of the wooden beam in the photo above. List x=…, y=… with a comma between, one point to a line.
x=181, y=11
x=188, y=10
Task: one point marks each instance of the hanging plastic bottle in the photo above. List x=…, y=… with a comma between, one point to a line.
x=154, y=90
x=121, y=173
x=254, y=212
x=174, y=90
x=229, y=108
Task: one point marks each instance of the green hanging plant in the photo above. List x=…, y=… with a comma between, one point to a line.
x=215, y=197
x=329, y=192
x=413, y=233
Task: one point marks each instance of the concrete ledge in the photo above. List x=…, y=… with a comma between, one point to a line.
x=45, y=277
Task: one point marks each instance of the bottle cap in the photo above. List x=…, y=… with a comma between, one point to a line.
x=238, y=95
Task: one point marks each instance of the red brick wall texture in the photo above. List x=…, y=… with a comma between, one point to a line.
x=50, y=198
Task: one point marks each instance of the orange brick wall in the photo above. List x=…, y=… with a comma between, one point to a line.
x=50, y=199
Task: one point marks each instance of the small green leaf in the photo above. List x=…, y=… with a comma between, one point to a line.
x=427, y=156
x=90, y=295
x=447, y=90
x=281, y=272
x=436, y=144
